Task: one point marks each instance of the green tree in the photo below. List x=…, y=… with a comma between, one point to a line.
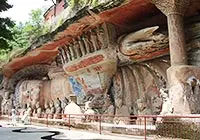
x=5, y=25
x=74, y=4
x=22, y=34
x=34, y=27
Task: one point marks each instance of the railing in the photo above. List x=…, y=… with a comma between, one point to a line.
x=147, y=126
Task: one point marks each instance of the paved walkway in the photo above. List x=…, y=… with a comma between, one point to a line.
x=34, y=132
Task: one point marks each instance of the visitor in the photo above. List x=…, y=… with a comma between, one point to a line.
x=14, y=113
x=26, y=117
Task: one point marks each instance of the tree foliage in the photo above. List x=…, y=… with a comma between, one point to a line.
x=34, y=27
x=22, y=34
x=78, y=3
x=5, y=32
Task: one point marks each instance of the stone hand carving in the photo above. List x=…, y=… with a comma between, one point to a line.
x=136, y=45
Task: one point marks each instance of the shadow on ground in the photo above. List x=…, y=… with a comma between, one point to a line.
x=35, y=131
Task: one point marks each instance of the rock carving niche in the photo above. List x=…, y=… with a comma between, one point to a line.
x=29, y=92
x=138, y=81
x=188, y=95
x=77, y=89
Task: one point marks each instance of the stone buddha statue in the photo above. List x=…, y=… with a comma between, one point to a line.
x=38, y=110
x=52, y=109
x=58, y=109
x=46, y=109
x=143, y=109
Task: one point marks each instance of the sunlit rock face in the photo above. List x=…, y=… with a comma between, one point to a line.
x=115, y=73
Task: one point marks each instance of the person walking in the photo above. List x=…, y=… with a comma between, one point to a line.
x=14, y=113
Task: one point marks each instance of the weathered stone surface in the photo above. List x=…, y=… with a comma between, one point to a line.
x=185, y=97
x=175, y=10
x=118, y=89
x=142, y=45
x=38, y=110
x=172, y=6
x=138, y=81
x=29, y=92
x=123, y=111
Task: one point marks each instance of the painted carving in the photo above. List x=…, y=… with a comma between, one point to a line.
x=58, y=109
x=85, y=63
x=30, y=92
x=122, y=111
x=109, y=110
x=167, y=107
x=64, y=103
x=143, y=108
x=6, y=103
x=187, y=97
x=142, y=45
x=156, y=104
x=38, y=110
x=89, y=112
x=77, y=89
x=103, y=42
x=47, y=110
x=52, y=109
x=86, y=43
x=95, y=73
x=82, y=47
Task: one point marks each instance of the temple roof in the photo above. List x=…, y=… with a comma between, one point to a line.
x=123, y=14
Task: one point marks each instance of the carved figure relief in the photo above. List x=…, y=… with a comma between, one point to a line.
x=38, y=110
x=58, y=109
x=167, y=107
x=30, y=92
x=89, y=111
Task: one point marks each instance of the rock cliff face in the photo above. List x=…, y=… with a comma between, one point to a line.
x=114, y=74
x=139, y=81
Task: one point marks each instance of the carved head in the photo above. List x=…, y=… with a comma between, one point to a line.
x=141, y=104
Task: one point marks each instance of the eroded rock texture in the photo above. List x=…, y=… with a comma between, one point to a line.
x=139, y=81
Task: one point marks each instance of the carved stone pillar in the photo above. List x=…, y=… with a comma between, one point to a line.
x=175, y=10
x=184, y=96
